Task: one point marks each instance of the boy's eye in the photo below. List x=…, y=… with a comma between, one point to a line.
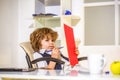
x=50, y=40
x=46, y=40
x=53, y=40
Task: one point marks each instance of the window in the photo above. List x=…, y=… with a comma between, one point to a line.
x=101, y=22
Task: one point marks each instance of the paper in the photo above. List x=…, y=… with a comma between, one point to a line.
x=70, y=41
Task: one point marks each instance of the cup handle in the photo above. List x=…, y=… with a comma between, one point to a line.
x=103, y=63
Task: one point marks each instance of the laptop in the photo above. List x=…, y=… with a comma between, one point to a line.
x=16, y=69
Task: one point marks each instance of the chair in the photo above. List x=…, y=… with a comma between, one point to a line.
x=26, y=46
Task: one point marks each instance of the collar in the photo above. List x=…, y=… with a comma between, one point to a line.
x=42, y=51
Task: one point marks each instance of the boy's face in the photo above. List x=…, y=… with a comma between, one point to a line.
x=47, y=43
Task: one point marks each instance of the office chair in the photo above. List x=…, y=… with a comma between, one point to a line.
x=26, y=46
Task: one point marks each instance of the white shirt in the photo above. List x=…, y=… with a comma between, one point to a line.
x=38, y=55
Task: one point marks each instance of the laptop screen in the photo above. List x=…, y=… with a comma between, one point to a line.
x=70, y=42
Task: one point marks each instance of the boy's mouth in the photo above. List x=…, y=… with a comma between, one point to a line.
x=51, y=47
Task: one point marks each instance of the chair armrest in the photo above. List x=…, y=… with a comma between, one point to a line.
x=82, y=58
x=54, y=59
x=79, y=59
x=47, y=59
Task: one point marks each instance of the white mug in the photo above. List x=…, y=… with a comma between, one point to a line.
x=96, y=63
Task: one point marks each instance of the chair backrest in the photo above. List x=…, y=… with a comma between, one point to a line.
x=26, y=46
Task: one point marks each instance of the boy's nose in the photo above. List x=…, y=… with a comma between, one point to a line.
x=51, y=41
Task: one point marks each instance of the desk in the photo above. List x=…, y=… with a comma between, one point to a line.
x=57, y=74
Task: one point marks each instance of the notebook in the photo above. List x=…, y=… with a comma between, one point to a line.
x=70, y=42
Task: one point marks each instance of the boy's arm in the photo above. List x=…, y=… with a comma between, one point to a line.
x=55, y=54
x=51, y=65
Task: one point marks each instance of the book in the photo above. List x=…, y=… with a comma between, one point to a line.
x=71, y=47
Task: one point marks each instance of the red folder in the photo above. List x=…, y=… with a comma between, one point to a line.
x=70, y=41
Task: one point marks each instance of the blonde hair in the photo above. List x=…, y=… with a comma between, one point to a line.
x=39, y=34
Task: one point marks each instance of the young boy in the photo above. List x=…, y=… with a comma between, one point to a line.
x=43, y=40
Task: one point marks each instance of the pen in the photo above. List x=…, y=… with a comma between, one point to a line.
x=51, y=50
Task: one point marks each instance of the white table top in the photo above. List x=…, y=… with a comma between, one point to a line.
x=58, y=74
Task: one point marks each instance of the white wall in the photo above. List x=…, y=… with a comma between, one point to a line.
x=15, y=19
x=8, y=32
x=26, y=9
x=111, y=53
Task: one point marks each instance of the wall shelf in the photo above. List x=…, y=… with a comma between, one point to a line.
x=47, y=21
x=55, y=21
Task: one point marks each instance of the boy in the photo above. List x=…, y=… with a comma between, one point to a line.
x=43, y=40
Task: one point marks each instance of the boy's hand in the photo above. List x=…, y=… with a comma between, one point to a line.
x=55, y=53
x=77, y=51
